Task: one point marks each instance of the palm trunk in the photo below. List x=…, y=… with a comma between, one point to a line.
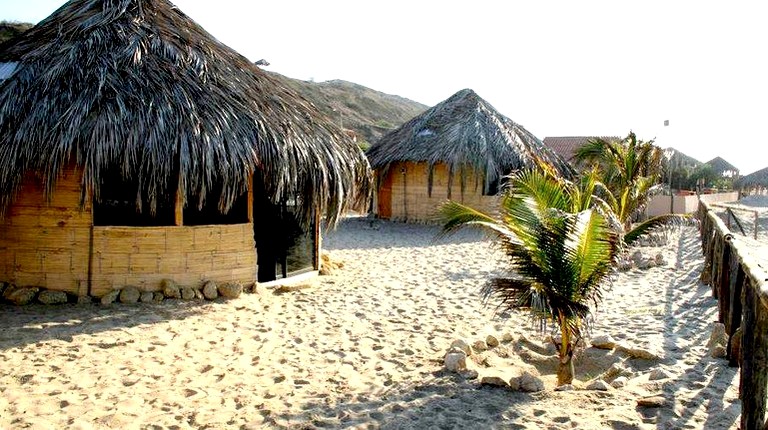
x=565, y=370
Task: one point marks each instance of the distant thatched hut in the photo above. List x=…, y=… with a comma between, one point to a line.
x=135, y=147
x=723, y=168
x=755, y=182
x=459, y=149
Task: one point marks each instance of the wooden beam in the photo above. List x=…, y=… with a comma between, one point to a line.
x=754, y=364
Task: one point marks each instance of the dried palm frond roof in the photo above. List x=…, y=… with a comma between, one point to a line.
x=138, y=85
x=680, y=159
x=754, y=179
x=464, y=129
x=720, y=166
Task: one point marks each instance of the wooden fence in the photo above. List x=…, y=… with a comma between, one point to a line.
x=741, y=288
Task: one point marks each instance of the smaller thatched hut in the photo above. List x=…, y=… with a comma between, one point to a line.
x=723, y=168
x=460, y=149
x=754, y=182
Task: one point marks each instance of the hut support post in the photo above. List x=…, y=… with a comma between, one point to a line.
x=754, y=361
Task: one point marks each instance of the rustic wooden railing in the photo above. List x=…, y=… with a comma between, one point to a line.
x=741, y=288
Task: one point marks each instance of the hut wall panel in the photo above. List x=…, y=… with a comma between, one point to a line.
x=411, y=200
x=45, y=241
x=143, y=257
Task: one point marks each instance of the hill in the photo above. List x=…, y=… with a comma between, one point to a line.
x=9, y=30
x=371, y=114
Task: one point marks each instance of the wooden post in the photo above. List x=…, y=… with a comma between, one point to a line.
x=754, y=361
x=756, y=223
x=715, y=259
x=724, y=283
x=734, y=313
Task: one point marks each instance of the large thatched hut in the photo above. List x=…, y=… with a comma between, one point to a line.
x=135, y=147
x=460, y=149
x=754, y=182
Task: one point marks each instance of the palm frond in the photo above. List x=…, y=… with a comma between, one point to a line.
x=655, y=223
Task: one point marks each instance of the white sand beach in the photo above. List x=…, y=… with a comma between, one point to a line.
x=364, y=348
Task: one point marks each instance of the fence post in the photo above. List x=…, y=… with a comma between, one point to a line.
x=724, y=283
x=754, y=360
x=734, y=313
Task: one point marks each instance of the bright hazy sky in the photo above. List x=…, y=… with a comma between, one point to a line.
x=559, y=68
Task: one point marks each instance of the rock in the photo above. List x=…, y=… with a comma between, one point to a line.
x=507, y=337
x=290, y=288
x=651, y=402
x=603, y=342
x=637, y=258
x=455, y=361
x=20, y=296
x=657, y=374
x=659, y=259
x=719, y=351
x=646, y=263
x=210, y=291
x=565, y=387
x=491, y=341
x=469, y=373
x=199, y=295
x=637, y=352
x=736, y=346
x=230, y=290
x=530, y=383
x=718, y=336
x=494, y=380
x=480, y=346
x=170, y=289
x=110, y=297
x=598, y=385
x=461, y=345
x=620, y=382
x=84, y=300
x=624, y=265
x=129, y=295
x=48, y=297
x=248, y=288
x=146, y=296
x=158, y=296
x=187, y=293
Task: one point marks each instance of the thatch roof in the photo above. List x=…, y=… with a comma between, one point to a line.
x=755, y=179
x=720, y=166
x=139, y=85
x=464, y=129
x=566, y=146
x=680, y=159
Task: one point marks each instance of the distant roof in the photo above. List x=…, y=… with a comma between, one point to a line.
x=721, y=166
x=566, y=146
x=680, y=159
x=464, y=129
x=755, y=179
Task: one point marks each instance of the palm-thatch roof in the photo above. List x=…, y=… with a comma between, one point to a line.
x=720, y=166
x=566, y=146
x=754, y=179
x=680, y=159
x=464, y=129
x=139, y=85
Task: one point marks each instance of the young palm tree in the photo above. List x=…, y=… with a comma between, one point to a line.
x=559, y=246
x=629, y=172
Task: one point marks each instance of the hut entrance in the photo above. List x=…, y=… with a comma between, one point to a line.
x=284, y=248
x=385, y=197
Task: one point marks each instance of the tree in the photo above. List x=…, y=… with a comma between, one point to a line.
x=630, y=169
x=560, y=247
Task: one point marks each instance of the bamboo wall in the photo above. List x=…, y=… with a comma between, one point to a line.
x=45, y=244
x=411, y=201
x=48, y=244
x=144, y=256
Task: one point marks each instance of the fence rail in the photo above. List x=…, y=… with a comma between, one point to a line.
x=741, y=288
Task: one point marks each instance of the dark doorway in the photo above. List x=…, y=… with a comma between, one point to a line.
x=283, y=245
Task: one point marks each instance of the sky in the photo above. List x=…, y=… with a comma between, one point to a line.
x=559, y=68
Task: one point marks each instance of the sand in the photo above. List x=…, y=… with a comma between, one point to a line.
x=363, y=348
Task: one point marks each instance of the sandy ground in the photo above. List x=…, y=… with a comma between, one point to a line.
x=363, y=348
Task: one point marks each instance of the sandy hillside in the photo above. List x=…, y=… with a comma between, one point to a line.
x=364, y=347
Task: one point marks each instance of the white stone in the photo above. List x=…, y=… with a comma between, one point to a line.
x=495, y=380
x=657, y=374
x=492, y=341
x=620, y=382
x=530, y=383
x=598, y=385
x=603, y=342
x=48, y=297
x=455, y=361
x=480, y=346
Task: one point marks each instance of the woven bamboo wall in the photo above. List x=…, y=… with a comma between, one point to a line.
x=410, y=198
x=45, y=244
x=142, y=257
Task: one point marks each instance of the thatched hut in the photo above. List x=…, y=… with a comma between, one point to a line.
x=755, y=182
x=460, y=149
x=135, y=147
x=723, y=168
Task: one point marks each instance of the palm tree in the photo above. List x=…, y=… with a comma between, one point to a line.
x=629, y=172
x=561, y=248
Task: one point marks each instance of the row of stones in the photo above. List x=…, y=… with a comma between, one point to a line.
x=168, y=289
